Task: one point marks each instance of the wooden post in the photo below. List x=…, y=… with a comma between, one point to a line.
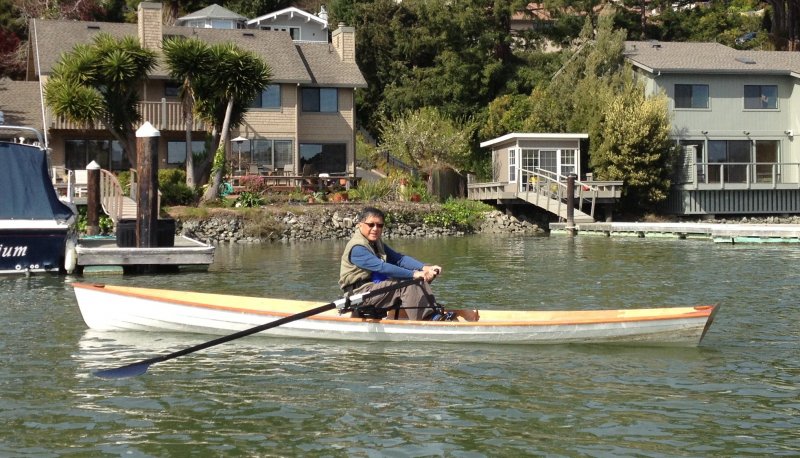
x=93, y=198
x=571, y=204
x=147, y=194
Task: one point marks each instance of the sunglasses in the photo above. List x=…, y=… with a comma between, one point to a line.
x=371, y=225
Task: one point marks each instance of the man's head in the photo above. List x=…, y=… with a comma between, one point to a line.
x=370, y=223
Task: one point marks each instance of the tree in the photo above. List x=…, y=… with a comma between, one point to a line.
x=188, y=60
x=636, y=147
x=427, y=139
x=222, y=98
x=99, y=82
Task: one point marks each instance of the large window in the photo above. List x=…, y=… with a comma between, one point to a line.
x=320, y=99
x=270, y=97
x=758, y=97
x=691, y=96
x=107, y=153
x=318, y=158
x=176, y=151
x=767, y=158
x=733, y=157
x=272, y=153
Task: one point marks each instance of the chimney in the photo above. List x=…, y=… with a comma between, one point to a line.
x=150, y=25
x=344, y=41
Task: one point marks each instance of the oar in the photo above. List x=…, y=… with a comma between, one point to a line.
x=139, y=368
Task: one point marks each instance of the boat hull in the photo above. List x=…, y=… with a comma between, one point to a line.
x=32, y=249
x=113, y=308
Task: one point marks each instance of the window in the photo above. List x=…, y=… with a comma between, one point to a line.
x=733, y=157
x=568, y=165
x=270, y=97
x=320, y=99
x=176, y=151
x=758, y=97
x=172, y=89
x=271, y=152
x=512, y=166
x=323, y=158
x=767, y=160
x=691, y=96
x=107, y=153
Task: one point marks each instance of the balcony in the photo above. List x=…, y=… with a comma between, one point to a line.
x=162, y=115
x=740, y=175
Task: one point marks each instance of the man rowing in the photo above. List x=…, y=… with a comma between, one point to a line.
x=368, y=263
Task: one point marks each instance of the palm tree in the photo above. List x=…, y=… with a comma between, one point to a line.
x=99, y=82
x=188, y=59
x=223, y=96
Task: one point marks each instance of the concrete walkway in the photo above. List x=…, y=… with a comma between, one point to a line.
x=720, y=233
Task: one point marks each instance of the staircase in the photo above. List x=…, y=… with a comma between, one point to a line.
x=543, y=197
x=114, y=202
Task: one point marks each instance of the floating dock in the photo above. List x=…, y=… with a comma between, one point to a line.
x=102, y=255
x=717, y=232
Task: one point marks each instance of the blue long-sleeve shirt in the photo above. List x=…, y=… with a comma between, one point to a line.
x=397, y=265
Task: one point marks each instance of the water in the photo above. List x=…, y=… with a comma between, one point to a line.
x=737, y=394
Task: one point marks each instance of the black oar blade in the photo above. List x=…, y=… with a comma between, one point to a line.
x=131, y=370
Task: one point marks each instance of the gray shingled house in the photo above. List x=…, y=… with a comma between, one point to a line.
x=734, y=113
x=307, y=112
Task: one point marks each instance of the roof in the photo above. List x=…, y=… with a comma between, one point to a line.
x=20, y=102
x=675, y=57
x=212, y=12
x=322, y=62
x=533, y=136
x=288, y=63
x=289, y=13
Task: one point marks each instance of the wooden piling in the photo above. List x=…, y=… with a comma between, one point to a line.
x=93, y=198
x=147, y=196
x=571, y=204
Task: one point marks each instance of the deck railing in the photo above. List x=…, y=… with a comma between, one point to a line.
x=740, y=175
x=162, y=115
x=111, y=195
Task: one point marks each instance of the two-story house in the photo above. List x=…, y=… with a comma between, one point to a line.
x=735, y=115
x=305, y=116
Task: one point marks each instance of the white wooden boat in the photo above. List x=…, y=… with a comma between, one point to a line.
x=122, y=308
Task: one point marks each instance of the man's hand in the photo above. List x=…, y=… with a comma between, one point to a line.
x=431, y=272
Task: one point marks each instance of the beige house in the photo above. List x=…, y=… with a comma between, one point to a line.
x=305, y=116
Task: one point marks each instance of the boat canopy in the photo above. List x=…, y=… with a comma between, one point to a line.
x=25, y=186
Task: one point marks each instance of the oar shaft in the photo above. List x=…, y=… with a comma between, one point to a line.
x=141, y=367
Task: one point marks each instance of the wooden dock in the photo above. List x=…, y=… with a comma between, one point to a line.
x=719, y=233
x=102, y=254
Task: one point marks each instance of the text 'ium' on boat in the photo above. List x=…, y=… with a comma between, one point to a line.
x=37, y=230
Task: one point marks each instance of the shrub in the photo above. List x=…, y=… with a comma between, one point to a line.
x=254, y=184
x=172, y=184
x=460, y=213
x=249, y=199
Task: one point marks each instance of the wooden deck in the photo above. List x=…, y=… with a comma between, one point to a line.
x=103, y=251
x=719, y=233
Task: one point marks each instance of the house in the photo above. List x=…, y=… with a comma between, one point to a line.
x=516, y=155
x=301, y=26
x=532, y=169
x=734, y=115
x=213, y=17
x=305, y=116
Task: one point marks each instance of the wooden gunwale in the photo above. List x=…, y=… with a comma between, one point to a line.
x=595, y=316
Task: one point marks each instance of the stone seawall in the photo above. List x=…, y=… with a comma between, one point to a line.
x=336, y=224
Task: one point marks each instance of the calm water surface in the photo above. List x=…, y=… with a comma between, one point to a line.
x=737, y=394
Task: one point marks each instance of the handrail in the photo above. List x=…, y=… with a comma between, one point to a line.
x=553, y=186
x=720, y=174
x=110, y=195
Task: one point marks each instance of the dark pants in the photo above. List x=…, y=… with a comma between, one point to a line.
x=415, y=295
